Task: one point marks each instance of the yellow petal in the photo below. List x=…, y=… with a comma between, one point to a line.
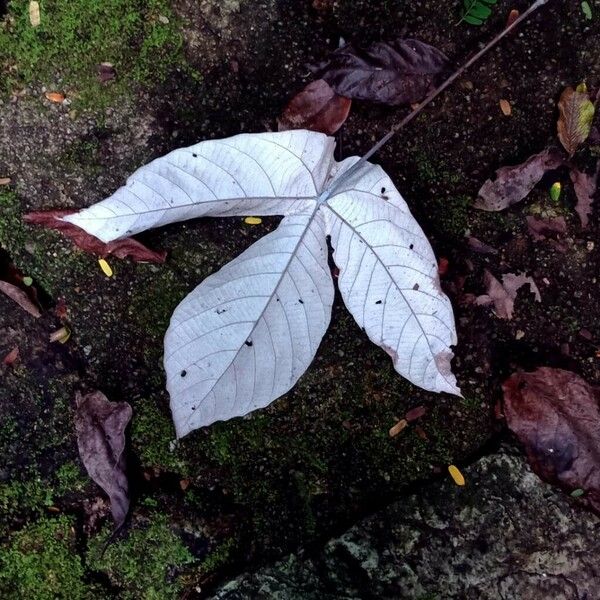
x=456, y=475
x=105, y=267
x=253, y=220
x=61, y=335
x=34, y=13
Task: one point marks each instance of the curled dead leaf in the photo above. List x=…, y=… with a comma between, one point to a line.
x=123, y=248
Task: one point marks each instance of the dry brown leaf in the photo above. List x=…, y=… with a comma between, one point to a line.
x=481, y=247
x=541, y=228
x=415, y=413
x=556, y=416
x=20, y=297
x=576, y=112
x=512, y=184
x=503, y=295
x=100, y=426
x=5, y=180
x=513, y=15
x=55, y=97
x=505, y=107
x=127, y=247
x=586, y=187
x=317, y=107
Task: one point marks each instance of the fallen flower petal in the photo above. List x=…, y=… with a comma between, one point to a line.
x=456, y=475
x=253, y=220
x=106, y=268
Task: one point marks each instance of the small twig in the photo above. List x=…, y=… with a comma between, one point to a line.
x=432, y=96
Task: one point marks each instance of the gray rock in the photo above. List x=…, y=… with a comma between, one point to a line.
x=505, y=535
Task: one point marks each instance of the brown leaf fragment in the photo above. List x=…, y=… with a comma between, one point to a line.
x=5, y=180
x=415, y=413
x=541, y=228
x=556, y=416
x=398, y=427
x=512, y=184
x=513, y=15
x=479, y=246
x=503, y=295
x=505, y=107
x=100, y=427
x=317, y=107
x=127, y=247
x=11, y=357
x=400, y=72
x=576, y=112
x=586, y=187
x=20, y=297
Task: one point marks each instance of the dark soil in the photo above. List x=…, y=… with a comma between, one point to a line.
x=245, y=491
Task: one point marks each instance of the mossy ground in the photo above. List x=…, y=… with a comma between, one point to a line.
x=254, y=487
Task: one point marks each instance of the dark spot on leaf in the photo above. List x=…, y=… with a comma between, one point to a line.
x=416, y=286
x=195, y=155
x=378, y=302
x=183, y=373
x=220, y=311
x=248, y=342
x=383, y=190
x=411, y=246
x=300, y=300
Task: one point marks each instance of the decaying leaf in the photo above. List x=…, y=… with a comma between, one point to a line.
x=512, y=184
x=100, y=426
x=11, y=357
x=556, y=416
x=317, y=107
x=503, y=295
x=106, y=72
x=123, y=248
x=586, y=187
x=401, y=72
x=481, y=247
x=576, y=112
x=541, y=228
x=61, y=335
x=5, y=180
x=20, y=297
x=246, y=334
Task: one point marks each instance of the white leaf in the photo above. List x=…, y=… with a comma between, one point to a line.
x=246, y=334
x=248, y=174
x=389, y=278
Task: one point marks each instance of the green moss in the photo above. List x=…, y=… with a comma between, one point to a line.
x=41, y=563
x=28, y=496
x=146, y=564
x=141, y=39
x=219, y=557
x=152, y=434
x=70, y=478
